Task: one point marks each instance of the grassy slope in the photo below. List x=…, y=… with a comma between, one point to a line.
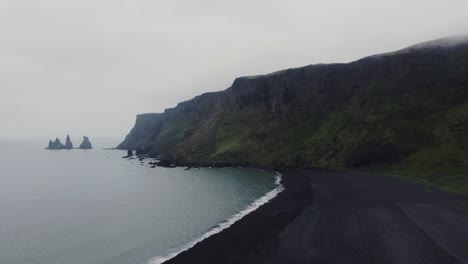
x=443, y=164
x=403, y=114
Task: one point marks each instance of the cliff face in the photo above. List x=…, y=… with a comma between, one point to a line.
x=146, y=129
x=408, y=108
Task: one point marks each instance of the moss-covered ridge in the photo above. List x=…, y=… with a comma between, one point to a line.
x=406, y=110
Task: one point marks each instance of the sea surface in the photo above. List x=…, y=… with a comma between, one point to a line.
x=93, y=207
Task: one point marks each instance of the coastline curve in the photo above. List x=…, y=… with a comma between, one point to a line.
x=226, y=224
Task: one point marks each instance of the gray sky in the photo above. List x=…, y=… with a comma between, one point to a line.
x=88, y=67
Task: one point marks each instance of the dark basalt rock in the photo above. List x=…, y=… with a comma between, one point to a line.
x=55, y=144
x=141, y=151
x=129, y=154
x=164, y=163
x=68, y=143
x=58, y=145
x=86, y=144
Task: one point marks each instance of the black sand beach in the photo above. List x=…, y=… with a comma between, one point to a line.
x=332, y=217
x=254, y=237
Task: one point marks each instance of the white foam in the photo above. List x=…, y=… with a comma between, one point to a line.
x=252, y=207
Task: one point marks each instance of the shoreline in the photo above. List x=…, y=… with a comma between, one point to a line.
x=255, y=235
x=266, y=198
x=343, y=217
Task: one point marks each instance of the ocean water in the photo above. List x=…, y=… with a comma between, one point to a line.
x=92, y=206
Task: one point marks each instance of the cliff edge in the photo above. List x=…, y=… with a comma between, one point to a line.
x=406, y=109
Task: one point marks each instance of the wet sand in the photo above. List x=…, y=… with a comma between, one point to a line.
x=334, y=217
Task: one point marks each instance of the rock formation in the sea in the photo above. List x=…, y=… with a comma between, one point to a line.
x=55, y=144
x=129, y=154
x=86, y=144
x=406, y=108
x=68, y=143
x=58, y=145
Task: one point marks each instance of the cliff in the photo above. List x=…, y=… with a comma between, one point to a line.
x=407, y=109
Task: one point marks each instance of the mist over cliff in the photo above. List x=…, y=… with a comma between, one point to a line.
x=407, y=108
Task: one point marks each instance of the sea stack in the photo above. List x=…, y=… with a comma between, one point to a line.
x=86, y=144
x=58, y=145
x=68, y=143
x=129, y=154
x=55, y=144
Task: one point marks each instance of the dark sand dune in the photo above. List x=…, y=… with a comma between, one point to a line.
x=347, y=218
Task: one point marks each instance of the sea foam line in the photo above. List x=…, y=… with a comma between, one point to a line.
x=252, y=207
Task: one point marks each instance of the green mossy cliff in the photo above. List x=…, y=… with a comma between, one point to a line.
x=407, y=110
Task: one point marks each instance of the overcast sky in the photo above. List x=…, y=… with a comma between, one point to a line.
x=87, y=67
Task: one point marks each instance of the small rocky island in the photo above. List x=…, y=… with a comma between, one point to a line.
x=58, y=145
x=86, y=144
x=68, y=144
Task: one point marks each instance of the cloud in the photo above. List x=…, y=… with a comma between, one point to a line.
x=90, y=66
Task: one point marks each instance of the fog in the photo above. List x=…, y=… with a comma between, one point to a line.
x=88, y=67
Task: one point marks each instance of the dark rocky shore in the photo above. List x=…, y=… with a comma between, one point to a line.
x=333, y=217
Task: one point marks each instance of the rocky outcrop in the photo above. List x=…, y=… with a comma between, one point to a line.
x=68, y=143
x=86, y=144
x=58, y=145
x=142, y=133
x=55, y=144
x=129, y=154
